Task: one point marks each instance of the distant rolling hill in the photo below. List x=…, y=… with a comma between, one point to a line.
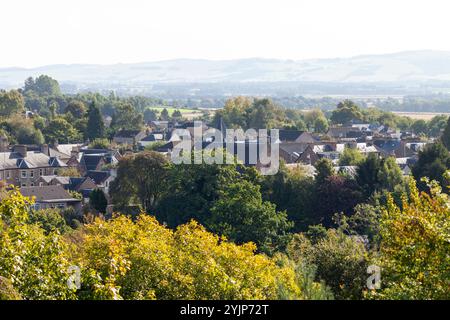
x=404, y=67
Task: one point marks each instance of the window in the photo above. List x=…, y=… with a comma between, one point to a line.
x=32, y=174
x=23, y=174
x=40, y=172
x=60, y=205
x=32, y=184
x=24, y=184
x=8, y=175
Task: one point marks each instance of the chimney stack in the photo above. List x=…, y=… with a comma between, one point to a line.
x=75, y=151
x=4, y=143
x=44, y=149
x=21, y=150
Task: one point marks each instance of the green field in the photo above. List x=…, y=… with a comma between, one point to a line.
x=172, y=109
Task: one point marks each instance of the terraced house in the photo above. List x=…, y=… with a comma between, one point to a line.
x=23, y=168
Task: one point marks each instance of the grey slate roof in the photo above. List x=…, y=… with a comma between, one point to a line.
x=48, y=194
x=289, y=135
x=91, y=161
x=395, y=148
x=34, y=159
x=153, y=137
x=127, y=133
x=98, y=176
x=296, y=147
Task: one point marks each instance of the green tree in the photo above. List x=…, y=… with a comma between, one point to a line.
x=49, y=219
x=95, y=126
x=23, y=131
x=446, y=135
x=76, y=108
x=225, y=199
x=140, y=177
x=367, y=174
x=321, y=125
x=59, y=130
x=324, y=168
x=100, y=143
x=53, y=108
x=194, y=189
x=43, y=85
x=150, y=115
x=437, y=125
x=346, y=112
x=176, y=114
x=291, y=190
x=98, y=201
x=311, y=116
x=34, y=102
x=433, y=162
x=263, y=115
x=241, y=215
x=333, y=195
x=351, y=157
x=125, y=117
x=11, y=102
x=365, y=222
x=419, y=127
x=299, y=125
x=164, y=115
x=340, y=261
x=234, y=112
x=390, y=175
x=378, y=174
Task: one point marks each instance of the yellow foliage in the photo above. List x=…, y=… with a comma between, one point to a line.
x=35, y=263
x=143, y=259
x=415, y=247
x=125, y=259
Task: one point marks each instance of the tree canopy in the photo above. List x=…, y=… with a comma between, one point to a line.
x=414, y=253
x=95, y=126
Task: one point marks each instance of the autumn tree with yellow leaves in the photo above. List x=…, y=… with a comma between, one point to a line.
x=415, y=247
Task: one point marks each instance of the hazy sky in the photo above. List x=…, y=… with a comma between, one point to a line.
x=35, y=33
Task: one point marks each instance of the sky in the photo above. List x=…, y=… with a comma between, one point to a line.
x=36, y=33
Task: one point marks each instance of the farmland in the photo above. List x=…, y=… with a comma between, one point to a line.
x=420, y=115
x=185, y=112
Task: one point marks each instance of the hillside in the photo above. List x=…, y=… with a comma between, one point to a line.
x=405, y=67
